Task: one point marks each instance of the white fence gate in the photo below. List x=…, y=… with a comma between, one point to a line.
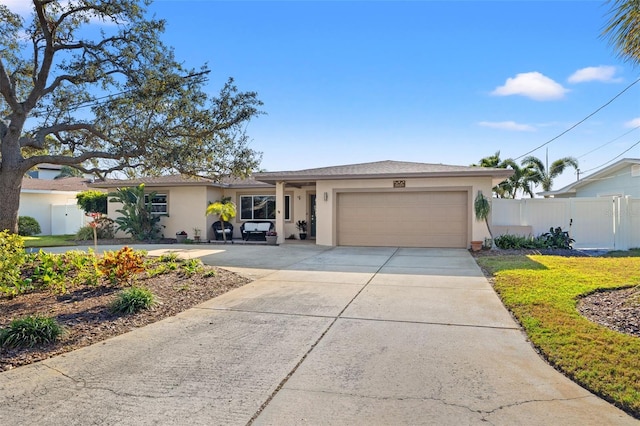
x=603, y=222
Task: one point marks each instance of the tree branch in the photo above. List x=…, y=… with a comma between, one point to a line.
x=7, y=90
x=38, y=140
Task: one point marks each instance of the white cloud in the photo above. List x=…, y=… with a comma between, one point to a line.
x=507, y=125
x=604, y=73
x=633, y=123
x=533, y=85
x=21, y=7
x=25, y=7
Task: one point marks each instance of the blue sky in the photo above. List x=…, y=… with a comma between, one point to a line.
x=427, y=81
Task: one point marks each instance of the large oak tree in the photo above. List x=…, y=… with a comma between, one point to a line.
x=89, y=84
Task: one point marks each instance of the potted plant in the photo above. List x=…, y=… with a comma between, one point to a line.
x=272, y=238
x=181, y=236
x=302, y=228
x=196, y=235
x=482, y=208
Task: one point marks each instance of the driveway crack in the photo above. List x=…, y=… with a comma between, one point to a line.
x=312, y=347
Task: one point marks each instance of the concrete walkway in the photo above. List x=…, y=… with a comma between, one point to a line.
x=341, y=336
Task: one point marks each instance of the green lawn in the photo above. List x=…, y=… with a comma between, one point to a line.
x=542, y=292
x=49, y=241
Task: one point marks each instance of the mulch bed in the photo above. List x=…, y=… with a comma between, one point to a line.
x=618, y=310
x=85, y=311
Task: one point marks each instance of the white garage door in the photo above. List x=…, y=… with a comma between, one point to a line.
x=403, y=219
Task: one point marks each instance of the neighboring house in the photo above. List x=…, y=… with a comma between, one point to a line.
x=385, y=203
x=45, y=171
x=53, y=204
x=621, y=179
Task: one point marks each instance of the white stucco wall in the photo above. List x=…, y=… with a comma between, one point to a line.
x=53, y=220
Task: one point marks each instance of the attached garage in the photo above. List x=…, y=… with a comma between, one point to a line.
x=403, y=219
x=388, y=203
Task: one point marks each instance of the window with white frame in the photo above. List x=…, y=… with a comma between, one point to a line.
x=158, y=204
x=262, y=207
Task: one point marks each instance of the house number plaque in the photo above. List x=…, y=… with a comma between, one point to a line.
x=399, y=184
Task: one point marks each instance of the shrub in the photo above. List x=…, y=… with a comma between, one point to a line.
x=12, y=257
x=92, y=201
x=57, y=272
x=105, y=229
x=168, y=257
x=85, y=233
x=556, y=238
x=28, y=226
x=132, y=300
x=30, y=331
x=517, y=242
x=122, y=265
x=137, y=216
x=192, y=266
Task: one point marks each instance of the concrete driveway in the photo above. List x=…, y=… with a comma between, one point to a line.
x=340, y=336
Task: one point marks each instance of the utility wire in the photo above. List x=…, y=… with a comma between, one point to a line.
x=611, y=141
x=96, y=101
x=614, y=158
x=579, y=122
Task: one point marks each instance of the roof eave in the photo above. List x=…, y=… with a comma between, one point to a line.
x=152, y=184
x=274, y=177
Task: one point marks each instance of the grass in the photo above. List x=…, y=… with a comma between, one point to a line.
x=543, y=291
x=49, y=241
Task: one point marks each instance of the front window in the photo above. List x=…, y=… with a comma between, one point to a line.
x=158, y=204
x=262, y=207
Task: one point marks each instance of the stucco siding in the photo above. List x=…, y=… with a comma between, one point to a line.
x=186, y=207
x=300, y=209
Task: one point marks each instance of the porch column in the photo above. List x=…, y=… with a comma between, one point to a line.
x=280, y=211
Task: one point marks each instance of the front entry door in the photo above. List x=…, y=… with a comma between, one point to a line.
x=312, y=215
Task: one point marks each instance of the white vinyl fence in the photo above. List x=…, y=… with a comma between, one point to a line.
x=603, y=222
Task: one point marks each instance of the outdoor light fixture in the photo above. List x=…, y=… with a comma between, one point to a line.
x=326, y=196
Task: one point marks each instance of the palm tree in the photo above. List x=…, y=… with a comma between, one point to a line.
x=545, y=175
x=490, y=161
x=622, y=29
x=482, y=208
x=519, y=181
x=225, y=210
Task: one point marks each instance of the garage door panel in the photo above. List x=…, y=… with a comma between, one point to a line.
x=407, y=219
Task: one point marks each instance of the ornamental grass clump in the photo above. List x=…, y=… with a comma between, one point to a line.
x=132, y=300
x=30, y=331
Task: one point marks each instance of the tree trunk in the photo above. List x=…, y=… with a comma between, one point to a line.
x=10, y=186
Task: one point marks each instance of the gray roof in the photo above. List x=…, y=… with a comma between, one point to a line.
x=379, y=169
x=62, y=184
x=179, y=180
